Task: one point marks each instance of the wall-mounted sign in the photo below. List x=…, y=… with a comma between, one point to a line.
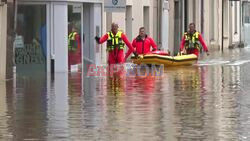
x=77, y=8
x=115, y=5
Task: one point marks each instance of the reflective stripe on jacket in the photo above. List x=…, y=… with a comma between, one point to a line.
x=115, y=41
x=192, y=40
x=72, y=43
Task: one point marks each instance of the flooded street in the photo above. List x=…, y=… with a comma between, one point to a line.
x=207, y=101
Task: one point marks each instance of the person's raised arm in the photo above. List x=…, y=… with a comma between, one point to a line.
x=102, y=39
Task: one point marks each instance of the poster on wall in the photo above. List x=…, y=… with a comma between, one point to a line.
x=29, y=54
x=18, y=43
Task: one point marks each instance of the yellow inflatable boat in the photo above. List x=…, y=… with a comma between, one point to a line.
x=165, y=59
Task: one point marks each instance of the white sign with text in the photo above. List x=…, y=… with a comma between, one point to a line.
x=115, y=5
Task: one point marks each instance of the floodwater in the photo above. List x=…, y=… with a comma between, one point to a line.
x=205, y=102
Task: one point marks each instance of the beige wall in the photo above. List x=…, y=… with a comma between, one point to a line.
x=206, y=27
x=212, y=22
x=236, y=22
x=3, y=39
x=137, y=20
x=231, y=21
x=171, y=26
x=137, y=15
x=156, y=25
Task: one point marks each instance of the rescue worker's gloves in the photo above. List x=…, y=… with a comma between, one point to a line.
x=180, y=53
x=207, y=53
x=97, y=39
x=154, y=49
x=135, y=54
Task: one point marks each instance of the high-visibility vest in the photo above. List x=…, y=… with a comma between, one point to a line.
x=192, y=41
x=115, y=41
x=72, y=43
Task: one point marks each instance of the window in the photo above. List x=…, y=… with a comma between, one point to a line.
x=246, y=6
x=31, y=37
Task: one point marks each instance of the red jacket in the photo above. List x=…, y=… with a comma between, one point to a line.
x=125, y=40
x=143, y=46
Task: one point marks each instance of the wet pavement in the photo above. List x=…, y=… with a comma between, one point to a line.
x=207, y=101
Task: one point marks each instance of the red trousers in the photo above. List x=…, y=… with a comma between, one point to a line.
x=74, y=58
x=116, y=57
x=193, y=51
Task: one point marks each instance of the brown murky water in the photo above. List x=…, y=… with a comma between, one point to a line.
x=208, y=101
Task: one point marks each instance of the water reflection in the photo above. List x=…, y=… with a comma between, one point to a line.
x=202, y=102
x=58, y=107
x=189, y=103
x=3, y=110
x=129, y=111
x=226, y=110
x=27, y=110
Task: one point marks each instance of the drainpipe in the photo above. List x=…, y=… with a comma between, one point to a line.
x=159, y=19
x=241, y=43
x=164, y=24
x=222, y=27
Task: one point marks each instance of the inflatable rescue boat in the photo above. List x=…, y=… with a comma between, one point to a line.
x=160, y=57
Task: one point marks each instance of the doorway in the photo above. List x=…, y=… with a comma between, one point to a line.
x=177, y=25
x=146, y=18
x=74, y=37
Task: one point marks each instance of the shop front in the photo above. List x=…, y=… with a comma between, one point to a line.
x=56, y=36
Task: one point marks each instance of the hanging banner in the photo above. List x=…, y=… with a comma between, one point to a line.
x=115, y=5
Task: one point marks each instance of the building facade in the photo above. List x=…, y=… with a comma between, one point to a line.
x=139, y=13
x=41, y=28
x=218, y=21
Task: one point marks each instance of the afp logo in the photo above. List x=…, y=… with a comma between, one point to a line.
x=115, y=2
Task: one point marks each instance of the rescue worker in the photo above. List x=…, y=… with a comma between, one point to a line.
x=116, y=41
x=143, y=43
x=191, y=42
x=74, y=47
